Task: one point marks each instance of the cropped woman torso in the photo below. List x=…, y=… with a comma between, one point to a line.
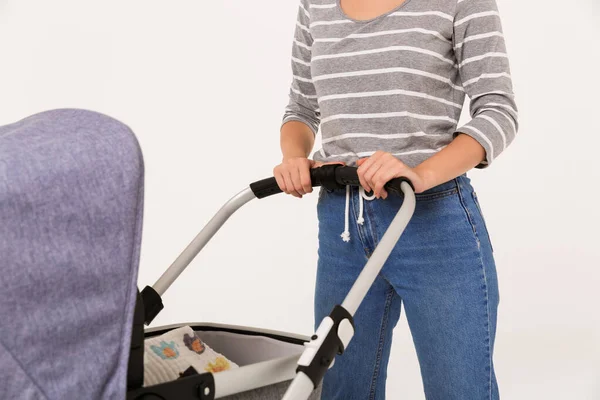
x=397, y=82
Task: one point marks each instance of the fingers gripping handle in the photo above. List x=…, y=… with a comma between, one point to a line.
x=323, y=176
x=348, y=176
x=328, y=176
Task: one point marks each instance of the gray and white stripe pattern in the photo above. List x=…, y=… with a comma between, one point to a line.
x=398, y=82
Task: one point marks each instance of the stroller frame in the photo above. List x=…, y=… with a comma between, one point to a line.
x=330, y=339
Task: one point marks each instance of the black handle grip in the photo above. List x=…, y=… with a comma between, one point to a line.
x=265, y=187
x=331, y=176
x=348, y=176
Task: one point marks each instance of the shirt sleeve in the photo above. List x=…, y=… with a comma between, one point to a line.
x=485, y=73
x=303, y=105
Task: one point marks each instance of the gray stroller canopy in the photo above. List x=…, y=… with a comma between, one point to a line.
x=71, y=194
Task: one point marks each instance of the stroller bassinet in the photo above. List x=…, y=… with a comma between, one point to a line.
x=79, y=206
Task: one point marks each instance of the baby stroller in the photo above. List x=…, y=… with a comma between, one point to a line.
x=273, y=365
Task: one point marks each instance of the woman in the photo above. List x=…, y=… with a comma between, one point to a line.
x=385, y=81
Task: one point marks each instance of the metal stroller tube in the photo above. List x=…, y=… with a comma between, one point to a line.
x=336, y=331
x=382, y=252
x=186, y=257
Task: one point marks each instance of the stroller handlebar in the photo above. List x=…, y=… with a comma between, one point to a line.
x=330, y=176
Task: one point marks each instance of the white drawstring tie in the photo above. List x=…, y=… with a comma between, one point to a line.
x=361, y=220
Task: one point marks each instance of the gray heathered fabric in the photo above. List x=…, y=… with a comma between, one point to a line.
x=71, y=196
x=397, y=83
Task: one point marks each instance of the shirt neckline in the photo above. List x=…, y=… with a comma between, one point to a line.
x=338, y=5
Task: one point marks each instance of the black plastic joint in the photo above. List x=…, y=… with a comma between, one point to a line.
x=339, y=314
x=152, y=304
x=332, y=345
x=404, y=179
x=206, y=387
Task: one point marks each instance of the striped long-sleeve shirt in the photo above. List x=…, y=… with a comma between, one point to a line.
x=397, y=82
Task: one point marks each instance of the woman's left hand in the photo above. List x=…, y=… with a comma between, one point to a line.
x=374, y=172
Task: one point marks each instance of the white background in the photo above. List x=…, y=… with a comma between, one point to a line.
x=204, y=84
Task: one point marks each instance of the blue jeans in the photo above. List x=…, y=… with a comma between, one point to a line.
x=442, y=269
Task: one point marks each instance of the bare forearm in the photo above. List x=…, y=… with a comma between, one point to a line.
x=297, y=140
x=460, y=156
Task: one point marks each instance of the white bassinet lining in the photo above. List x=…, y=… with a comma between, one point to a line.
x=248, y=349
x=265, y=357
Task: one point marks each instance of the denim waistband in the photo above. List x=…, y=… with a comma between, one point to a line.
x=451, y=184
x=348, y=192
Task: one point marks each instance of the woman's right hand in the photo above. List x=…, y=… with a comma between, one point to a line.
x=293, y=175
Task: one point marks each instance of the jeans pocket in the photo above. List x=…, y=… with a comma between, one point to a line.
x=476, y=201
x=427, y=196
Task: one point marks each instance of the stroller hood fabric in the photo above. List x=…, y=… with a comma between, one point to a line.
x=71, y=200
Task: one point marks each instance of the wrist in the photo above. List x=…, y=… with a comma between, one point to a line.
x=287, y=157
x=427, y=176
